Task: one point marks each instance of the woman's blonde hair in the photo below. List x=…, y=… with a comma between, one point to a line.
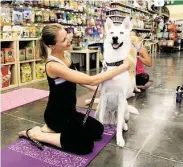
x=48, y=37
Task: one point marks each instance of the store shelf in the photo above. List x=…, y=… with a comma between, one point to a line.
x=7, y=40
x=8, y=64
x=163, y=14
x=27, y=39
x=128, y=6
x=112, y=9
x=33, y=81
x=117, y=22
x=95, y=42
x=9, y=87
x=26, y=61
x=141, y=29
x=116, y=16
x=39, y=59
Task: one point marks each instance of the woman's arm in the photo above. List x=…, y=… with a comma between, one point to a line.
x=55, y=69
x=144, y=57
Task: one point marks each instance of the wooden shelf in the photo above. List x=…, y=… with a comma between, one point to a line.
x=21, y=39
x=33, y=81
x=27, y=39
x=26, y=61
x=7, y=40
x=8, y=64
x=9, y=87
x=39, y=59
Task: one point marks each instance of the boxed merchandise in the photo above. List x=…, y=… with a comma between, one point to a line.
x=40, y=70
x=32, y=32
x=29, y=53
x=9, y=55
x=6, y=75
x=25, y=73
x=7, y=32
x=2, y=56
x=22, y=55
x=17, y=32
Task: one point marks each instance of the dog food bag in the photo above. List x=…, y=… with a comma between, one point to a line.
x=29, y=53
x=9, y=55
x=22, y=55
x=6, y=75
x=25, y=72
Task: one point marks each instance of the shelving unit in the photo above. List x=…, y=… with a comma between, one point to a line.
x=118, y=11
x=16, y=65
x=5, y=43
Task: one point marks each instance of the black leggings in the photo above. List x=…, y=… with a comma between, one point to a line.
x=79, y=139
x=142, y=79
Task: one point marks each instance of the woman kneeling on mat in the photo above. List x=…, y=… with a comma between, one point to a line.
x=64, y=125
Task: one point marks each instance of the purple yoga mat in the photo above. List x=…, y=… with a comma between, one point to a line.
x=23, y=153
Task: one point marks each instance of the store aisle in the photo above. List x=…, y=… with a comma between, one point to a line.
x=155, y=136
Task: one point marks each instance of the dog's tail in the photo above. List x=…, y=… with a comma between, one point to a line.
x=132, y=110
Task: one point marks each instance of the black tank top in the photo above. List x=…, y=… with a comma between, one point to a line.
x=61, y=104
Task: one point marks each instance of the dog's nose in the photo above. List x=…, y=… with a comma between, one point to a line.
x=115, y=39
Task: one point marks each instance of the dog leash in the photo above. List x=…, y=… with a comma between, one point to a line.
x=90, y=106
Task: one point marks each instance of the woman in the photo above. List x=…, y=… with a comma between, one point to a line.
x=143, y=58
x=64, y=128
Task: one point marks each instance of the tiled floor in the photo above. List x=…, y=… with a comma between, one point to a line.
x=154, y=138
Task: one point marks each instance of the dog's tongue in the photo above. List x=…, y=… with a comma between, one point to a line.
x=115, y=45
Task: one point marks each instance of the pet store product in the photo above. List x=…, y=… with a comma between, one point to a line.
x=9, y=55
x=6, y=75
x=2, y=56
x=29, y=53
x=22, y=55
x=26, y=73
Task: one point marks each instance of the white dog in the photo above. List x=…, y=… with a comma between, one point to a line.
x=113, y=106
x=136, y=43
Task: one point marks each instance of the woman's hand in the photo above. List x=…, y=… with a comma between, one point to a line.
x=126, y=64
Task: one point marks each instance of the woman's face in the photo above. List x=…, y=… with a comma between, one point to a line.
x=62, y=41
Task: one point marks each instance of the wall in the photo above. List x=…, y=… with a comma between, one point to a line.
x=176, y=11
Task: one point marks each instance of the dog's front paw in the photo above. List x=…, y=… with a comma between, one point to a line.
x=125, y=127
x=120, y=141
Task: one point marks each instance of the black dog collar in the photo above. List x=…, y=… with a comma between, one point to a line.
x=118, y=63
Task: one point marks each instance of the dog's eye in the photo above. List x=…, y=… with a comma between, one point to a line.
x=121, y=33
x=111, y=32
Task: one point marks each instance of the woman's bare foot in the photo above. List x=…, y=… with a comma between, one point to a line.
x=46, y=129
x=34, y=133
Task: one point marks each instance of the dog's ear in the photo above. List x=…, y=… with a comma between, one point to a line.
x=127, y=24
x=108, y=24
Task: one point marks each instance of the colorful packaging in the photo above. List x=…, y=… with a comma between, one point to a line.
x=22, y=55
x=29, y=53
x=9, y=55
x=6, y=75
